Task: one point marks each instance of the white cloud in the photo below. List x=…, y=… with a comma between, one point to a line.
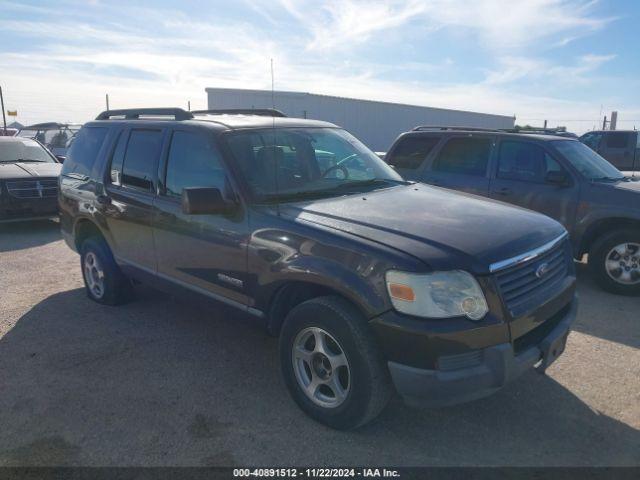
x=80, y=60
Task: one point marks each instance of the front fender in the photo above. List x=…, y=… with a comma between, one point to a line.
x=353, y=268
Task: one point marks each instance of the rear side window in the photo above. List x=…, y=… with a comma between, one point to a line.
x=412, y=151
x=525, y=161
x=84, y=150
x=193, y=162
x=465, y=156
x=141, y=158
x=617, y=139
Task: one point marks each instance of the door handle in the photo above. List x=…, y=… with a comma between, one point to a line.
x=103, y=200
x=166, y=216
x=504, y=191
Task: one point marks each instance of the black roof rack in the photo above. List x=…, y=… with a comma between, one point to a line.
x=135, y=113
x=441, y=127
x=263, y=112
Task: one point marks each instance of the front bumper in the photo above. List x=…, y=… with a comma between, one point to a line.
x=482, y=371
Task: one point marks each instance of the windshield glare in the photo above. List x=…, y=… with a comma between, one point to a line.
x=283, y=162
x=24, y=150
x=586, y=161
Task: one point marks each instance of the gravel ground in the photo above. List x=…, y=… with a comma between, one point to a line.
x=159, y=382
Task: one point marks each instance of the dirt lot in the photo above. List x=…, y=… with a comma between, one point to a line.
x=158, y=382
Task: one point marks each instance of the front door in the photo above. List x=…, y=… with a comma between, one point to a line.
x=521, y=178
x=462, y=164
x=206, y=253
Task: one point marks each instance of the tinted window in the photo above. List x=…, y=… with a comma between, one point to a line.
x=467, y=156
x=117, y=158
x=525, y=161
x=412, y=151
x=84, y=150
x=193, y=162
x=141, y=158
x=617, y=139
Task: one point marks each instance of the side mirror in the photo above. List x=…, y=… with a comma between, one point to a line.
x=557, y=178
x=204, y=201
x=61, y=158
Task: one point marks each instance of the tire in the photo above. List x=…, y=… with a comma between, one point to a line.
x=620, y=246
x=365, y=384
x=115, y=288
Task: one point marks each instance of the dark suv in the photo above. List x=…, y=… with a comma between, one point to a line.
x=369, y=281
x=621, y=148
x=557, y=176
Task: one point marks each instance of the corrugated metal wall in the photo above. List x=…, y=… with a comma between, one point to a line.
x=377, y=124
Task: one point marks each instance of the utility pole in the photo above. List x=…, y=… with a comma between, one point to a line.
x=614, y=120
x=189, y=105
x=604, y=123
x=4, y=119
x=107, y=99
x=545, y=124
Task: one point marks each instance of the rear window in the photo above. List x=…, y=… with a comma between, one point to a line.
x=464, y=156
x=411, y=152
x=84, y=150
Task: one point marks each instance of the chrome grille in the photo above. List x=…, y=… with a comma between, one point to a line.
x=37, y=188
x=526, y=280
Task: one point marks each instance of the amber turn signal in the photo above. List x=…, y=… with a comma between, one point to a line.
x=402, y=292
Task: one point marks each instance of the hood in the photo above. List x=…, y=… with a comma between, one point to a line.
x=445, y=229
x=20, y=170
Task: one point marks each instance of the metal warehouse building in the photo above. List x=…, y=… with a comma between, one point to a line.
x=377, y=124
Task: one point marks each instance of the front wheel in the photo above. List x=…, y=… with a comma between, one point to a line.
x=331, y=364
x=615, y=262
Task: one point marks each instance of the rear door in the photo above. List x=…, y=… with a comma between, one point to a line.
x=130, y=189
x=619, y=149
x=207, y=253
x=462, y=163
x=409, y=155
x=520, y=179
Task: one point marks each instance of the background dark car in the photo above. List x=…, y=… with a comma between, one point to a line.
x=28, y=180
x=621, y=148
x=559, y=177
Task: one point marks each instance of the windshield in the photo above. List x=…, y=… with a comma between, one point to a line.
x=586, y=161
x=284, y=163
x=24, y=150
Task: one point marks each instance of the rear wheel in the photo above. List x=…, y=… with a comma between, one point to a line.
x=331, y=364
x=615, y=262
x=103, y=280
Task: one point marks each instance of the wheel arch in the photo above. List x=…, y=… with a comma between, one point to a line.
x=602, y=227
x=292, y=293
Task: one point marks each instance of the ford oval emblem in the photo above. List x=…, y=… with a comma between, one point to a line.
x=542, y=270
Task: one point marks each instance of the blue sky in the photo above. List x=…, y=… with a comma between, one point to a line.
x=569, y=61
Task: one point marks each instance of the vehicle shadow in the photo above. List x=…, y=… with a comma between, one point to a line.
x=22, y=235
x=159, y=382
x=605, y=315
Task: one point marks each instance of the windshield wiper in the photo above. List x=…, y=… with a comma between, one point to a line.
x=292, y=196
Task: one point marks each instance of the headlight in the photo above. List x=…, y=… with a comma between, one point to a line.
x=437, y=294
